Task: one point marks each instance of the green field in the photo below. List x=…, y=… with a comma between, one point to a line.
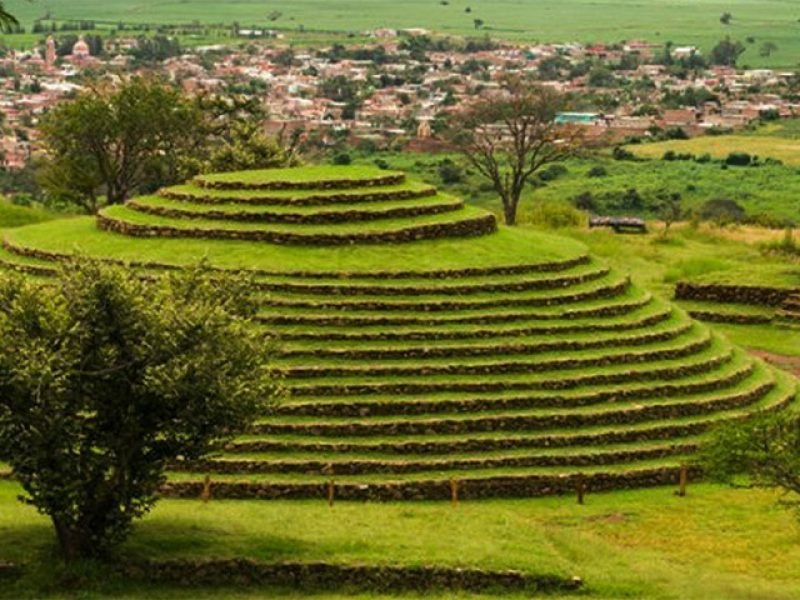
x=645, y=544
x=783, y=149
x=683, y=22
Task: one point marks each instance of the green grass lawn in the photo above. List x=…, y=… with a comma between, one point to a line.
x=681, y=21
x=12, y=215
x=641, y=544
x=506, y=247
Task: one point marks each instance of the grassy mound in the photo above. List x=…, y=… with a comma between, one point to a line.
x=507, y=360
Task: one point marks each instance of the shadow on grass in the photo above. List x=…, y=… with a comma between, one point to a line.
x=179, y=539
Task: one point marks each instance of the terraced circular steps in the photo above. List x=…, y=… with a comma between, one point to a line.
x=789, y=312
x=308, y=206
x=510, y=360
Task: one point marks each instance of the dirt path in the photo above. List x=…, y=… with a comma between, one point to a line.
x=787, y=363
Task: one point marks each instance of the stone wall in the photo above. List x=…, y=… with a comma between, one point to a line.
x=737, y=294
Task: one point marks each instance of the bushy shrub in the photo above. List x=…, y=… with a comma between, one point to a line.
x=722, y=211
x=585, y=201
x=738, y=159
x=342, y=159
x=676, y=133
x=703, y=158
x=668, y=155
x=620, y=153
x=597, y=171
x=449, y=172
x=381, y=163
x=553, y=172
x=630, y=199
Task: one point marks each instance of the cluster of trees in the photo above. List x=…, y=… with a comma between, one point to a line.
x=111, y=142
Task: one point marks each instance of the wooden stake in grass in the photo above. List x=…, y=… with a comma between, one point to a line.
x=205, y=495
x=683, y=480
x=454, y=492
x=580, y=487
x=331, y=492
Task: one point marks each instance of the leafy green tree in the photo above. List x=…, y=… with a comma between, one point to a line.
x=670, y=209
x=111, y=380
x=727, y=52
x=765, y=450
x=109, y=141
x=767, y=48
x=601, y=76
x=725, y=18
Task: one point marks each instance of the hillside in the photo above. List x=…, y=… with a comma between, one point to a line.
x=421, y=343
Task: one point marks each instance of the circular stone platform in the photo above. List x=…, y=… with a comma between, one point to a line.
x=421, y=344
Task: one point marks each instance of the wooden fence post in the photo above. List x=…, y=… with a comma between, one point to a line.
x=205, y=495
x=683, y=480
x=454, y=492
x=331, y=492
x=580, y=487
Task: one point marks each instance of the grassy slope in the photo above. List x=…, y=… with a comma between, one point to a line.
x=681, y=21
x=12, y=215
x=769, y=190
x=643, y=544
x=507, y=247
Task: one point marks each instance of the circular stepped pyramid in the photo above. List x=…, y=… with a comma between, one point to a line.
x=306, y=206
x=508, y=360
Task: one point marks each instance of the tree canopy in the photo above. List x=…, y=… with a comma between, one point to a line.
x=111, y=142
x=509, y=136
x=112, y=379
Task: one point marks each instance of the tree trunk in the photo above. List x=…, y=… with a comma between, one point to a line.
x=510, y=212
x=69, y=540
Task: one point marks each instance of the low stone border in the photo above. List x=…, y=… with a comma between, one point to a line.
x=330, y=576
x=471, y=334
x=524, y=486
x=500, y=349
x=522, y=285
x=475, y=405
x=499, y=367
x=319, y=184
x=553, y=384
x=612, y=310
x=442, y=426
x=736, y=294
x=471, y=227
x=28, y=269
x=606, y=291
x=561, y=265
x=310, y=200
x=397, y=467
x=735, y=319
x=410, y=447
x=318, y=218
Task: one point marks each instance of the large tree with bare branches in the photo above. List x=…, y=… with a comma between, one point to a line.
x=509, y=135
